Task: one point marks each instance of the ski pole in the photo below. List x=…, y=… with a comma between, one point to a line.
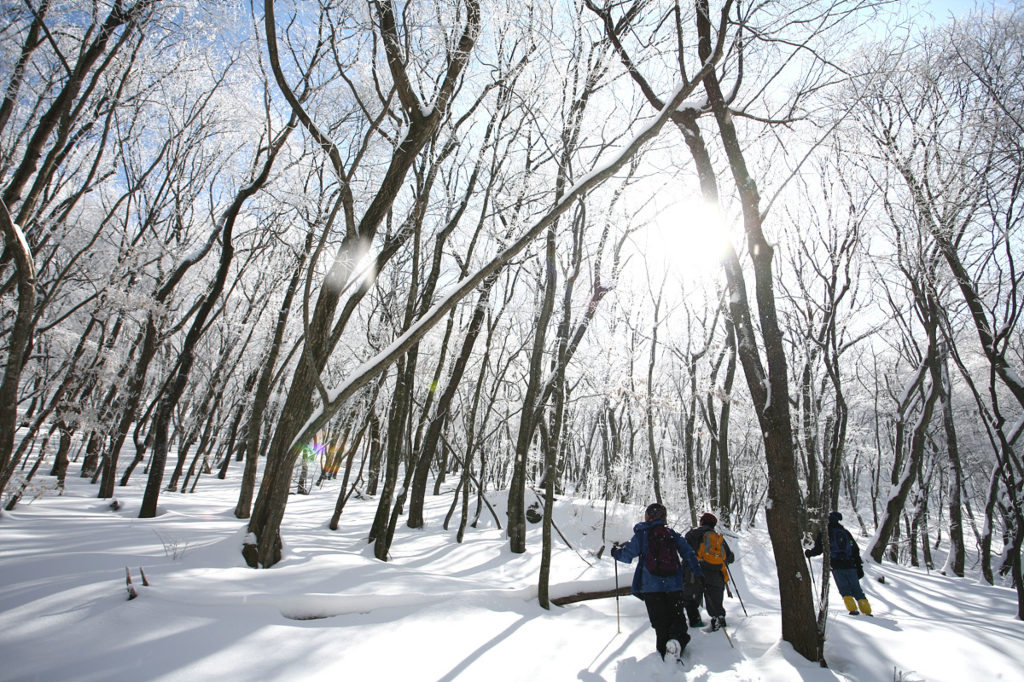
x=728, y=637
x=618, y=619
x=738, y=595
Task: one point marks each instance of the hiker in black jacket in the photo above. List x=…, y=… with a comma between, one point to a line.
x=714, y=553
x=847, y=567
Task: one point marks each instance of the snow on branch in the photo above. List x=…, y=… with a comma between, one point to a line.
x=365, y=373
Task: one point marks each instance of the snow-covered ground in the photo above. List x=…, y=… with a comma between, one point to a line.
x=438, y=611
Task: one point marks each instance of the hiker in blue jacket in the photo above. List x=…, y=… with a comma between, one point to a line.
x=847, y=567
x=658, y=579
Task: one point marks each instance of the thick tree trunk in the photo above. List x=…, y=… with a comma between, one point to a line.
x=384, y=522
x=769, y=390
x=987, y=531
x=18, y=342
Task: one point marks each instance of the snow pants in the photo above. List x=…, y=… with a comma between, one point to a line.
x=848, y=583
x=711, y=592
x=668, y=617
x=714, y=598
x=693, y=597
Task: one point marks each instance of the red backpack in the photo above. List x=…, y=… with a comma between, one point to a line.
x=662, y=556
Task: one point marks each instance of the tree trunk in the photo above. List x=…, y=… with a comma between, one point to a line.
x=18, y=343
x=769, y=391
x=649, y=408
x=724, y=468
x=263, y=388
x=898, y=496
x=517, y=490
x=955, y=558
x=437, y=423
x=176, y=388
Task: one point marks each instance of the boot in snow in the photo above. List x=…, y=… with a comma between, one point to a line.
x=714, y=623
x=674, y=651
x=851, y=606
x=865, y=607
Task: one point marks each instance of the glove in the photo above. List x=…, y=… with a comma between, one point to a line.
x=860, y=571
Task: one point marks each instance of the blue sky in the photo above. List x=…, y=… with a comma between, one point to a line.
x=941, y=9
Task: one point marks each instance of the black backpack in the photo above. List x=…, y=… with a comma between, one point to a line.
x=840, y=546
x=662, y=557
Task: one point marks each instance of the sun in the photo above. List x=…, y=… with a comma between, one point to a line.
x=685, y=239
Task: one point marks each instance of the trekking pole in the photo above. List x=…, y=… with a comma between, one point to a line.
x=738, y=595
x=728, y=637
x=618, y=619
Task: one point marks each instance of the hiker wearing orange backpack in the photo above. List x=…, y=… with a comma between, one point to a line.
x=714, y=555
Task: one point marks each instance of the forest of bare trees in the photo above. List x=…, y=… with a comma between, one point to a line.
x=755, y=258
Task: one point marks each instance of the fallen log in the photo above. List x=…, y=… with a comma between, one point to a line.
x=587, y=596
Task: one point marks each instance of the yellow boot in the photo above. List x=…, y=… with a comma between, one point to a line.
x=851, y=605
x=865, y=607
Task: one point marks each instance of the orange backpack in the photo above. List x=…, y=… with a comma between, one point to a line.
x=712, y=548
x=712, y=551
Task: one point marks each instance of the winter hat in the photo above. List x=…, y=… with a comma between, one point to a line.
x=835, y=517
x=708, y=519
x=656, y=512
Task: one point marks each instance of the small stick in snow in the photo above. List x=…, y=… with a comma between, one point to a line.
x=144, y=581
x=132, y=594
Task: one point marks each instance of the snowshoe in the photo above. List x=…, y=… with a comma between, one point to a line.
x=674, y=651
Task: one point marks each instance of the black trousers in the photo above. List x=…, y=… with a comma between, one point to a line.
x=711, y=592
x=668, y=618
x=714, y=596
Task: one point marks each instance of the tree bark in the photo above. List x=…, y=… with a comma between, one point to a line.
x=769, y=390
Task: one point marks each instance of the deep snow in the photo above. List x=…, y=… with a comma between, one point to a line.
x=438, y=611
